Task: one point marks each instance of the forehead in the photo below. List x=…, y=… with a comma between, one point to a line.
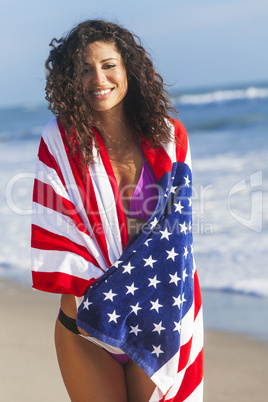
x=99, y=51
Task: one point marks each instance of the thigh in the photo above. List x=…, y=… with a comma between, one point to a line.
x=88, y=371
x=139, y=386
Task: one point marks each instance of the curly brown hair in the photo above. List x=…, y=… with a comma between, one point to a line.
x=146, y=103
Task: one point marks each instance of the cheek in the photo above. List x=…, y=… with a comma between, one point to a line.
x=84, y=82
x=123, y=82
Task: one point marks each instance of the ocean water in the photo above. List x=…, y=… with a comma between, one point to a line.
x=227, y=130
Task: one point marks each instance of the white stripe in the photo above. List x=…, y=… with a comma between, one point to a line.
x=107, y=207
x=164, y=377
x=187, y=326
x=170, y=147
x=197, y=395
x=63, y=225
x=49, y=176
x=198, y=337
x=196, y=348
x=188, y=160
x=156, y=396
x=106, y=346
x=65, y=262
x=53, y=140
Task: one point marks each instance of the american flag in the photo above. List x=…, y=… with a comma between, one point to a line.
x=144, y=296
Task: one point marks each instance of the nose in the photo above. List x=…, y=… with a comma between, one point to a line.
x=98, y=76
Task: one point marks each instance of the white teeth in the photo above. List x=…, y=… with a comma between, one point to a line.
x=104, y=91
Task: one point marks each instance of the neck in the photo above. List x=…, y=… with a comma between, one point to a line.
x=116, y=131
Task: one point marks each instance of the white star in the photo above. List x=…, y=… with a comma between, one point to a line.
x=154, y=223
x=128, y=268
x=113, y=316
x=110, y=295
x=183, y=227
x=136, y=308
x=187, y=181
x=184, y=275
x=153, y=282
x=174, y=278
x=178, y=301
x=86, y=304
x=131, y=289
x=190, y=202
x=186, y=252
x=157, y=350
x=149, y=261
x=165, y=234
x=135, y=330
x=171, y=254
x=178, y=207
x=117, y=263
x=159, y=328
x=173, y=188
x=155, y=305
x=177, y=326
x=146, y=242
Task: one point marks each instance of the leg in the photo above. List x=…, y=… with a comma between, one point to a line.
x=139, y=386
x=88, y=371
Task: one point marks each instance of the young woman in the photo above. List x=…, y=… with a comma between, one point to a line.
x=111, y=230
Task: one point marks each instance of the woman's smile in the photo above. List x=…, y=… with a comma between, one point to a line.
x=105, y=77
x=102, y=93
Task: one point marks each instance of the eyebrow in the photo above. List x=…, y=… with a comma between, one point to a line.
x=104, y=60
x=109, y=58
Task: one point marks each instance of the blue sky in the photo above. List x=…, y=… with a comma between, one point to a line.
x=194, y=43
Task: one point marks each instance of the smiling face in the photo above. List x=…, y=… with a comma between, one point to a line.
x=104, y=78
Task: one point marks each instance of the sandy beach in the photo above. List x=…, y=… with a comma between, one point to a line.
x=235, y=366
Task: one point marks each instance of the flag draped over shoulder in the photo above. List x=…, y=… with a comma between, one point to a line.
x=141, y=295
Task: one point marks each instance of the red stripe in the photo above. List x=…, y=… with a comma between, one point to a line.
x=181, y=141
x=197, y=295
x=116, y=192
x=49, y=160
x=58, y=282
x=45, y=195
x=88, y=197
x=43, y=239
x=192, y=378
x=158, y=159
x=185, y=351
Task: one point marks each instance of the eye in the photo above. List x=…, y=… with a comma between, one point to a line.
x=86, y=70
x=108, y=66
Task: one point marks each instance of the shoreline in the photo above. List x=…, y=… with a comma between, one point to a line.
x=235, y=366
